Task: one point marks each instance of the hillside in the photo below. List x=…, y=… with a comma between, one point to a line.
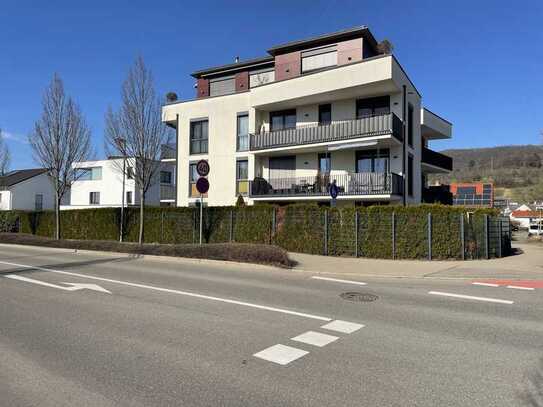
x=516, y=171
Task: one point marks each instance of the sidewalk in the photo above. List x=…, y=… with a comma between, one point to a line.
x=528, y=265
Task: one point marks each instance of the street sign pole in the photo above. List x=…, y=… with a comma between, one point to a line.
x=201, y=215
x=202, y=186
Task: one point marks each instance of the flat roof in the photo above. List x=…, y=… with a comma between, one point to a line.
x=236, y=66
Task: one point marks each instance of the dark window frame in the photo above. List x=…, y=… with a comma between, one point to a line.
x=373, y=155
x=378, y=105
x=328, y=158
x=410, y=124
x=238, y=135
x=283, y=114
x=95, y=194
x=325, y=109
x=169, y=177
x=203, y=142
x=410, y=174
x=238, y=179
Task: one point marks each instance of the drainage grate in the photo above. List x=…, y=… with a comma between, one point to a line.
x=358, y=297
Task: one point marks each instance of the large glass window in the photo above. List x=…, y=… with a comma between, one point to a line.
x=325, y=114
x=243, y=132
x=319, y=58
x=285, y=119
x=372, y=106
x=198, y=137
x=89, y=174
x=242, y=177
x=129, y=197
x=373, y=161
x=165, y=177
x=324, y=163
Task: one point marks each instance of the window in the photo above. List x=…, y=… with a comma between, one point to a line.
x=94, y=198
x=222, y=86
x=410, y=125
x=285, y=119
x=243, y=132
x=130, y=173
x=373, y=161
x=89, y=174
x=129, y=197
x=38, y=202
x=193, y=177
x=410, y=175
x=198, y=137
x=165, y=177
x=324, y=163
x=325, y=114
x=372, y=106
x=0, y=197
x=262, y=77
x=242, y=177
x=319, y=58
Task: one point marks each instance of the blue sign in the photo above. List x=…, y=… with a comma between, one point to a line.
x=334, y=190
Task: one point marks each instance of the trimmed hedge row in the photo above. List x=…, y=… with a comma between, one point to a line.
x=375, y=231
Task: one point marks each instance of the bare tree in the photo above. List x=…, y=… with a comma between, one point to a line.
x=60, y=138
x=136, y=131
x=5, y=155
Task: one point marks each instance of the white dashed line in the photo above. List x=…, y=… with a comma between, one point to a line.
x=337, y=280
x=487, y=284
x=315, y=338
x=342, y=326
x=469, y=297
x=281, y=354
x=517, y=287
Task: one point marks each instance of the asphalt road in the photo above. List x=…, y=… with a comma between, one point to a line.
x=175, y=333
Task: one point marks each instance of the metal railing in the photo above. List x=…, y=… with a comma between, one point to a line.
x=364, y=183
x=436, y=159
x=167, y=151
x=369, y=126
x=167, y=192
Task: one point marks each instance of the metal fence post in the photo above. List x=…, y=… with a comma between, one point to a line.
x=162, y=227
x=462, y=236
x=231, y=236
x=325, y=232
x=429, y=236
x=355, y=233
x=487, y=240
x=274, y=224
x=393, y=220
x=500, y=254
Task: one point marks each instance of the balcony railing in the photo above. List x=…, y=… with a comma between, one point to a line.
x=436, y=159
x=167, y=152
x=167, y=192
x=370, y=126
x=363, y=183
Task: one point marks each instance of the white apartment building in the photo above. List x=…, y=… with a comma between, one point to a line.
x=337, y=108
x=29, y=190
x=100, y=184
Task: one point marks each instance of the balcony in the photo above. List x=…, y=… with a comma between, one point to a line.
x=359, y=184
x=167, y=152
x=167, y=192
x=371, y=126
x=435, y=162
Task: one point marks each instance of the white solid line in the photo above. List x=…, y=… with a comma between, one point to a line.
x=469, y=297
x=342, y=326
x=281, y=354
x=517, y=287
x=315, y=338
x=487, y=284
x=168, y=290
x=337, y=280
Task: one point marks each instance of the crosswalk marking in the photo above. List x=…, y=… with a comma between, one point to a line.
x=342, y=326
x=281, y=354
x=315, y=338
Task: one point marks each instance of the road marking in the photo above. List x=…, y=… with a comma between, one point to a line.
x=281, y=354
x=72, y=286
x=315, y=338
x=516, y=287
x=486, y=284
x=469, y=297
x=186, y=293
x=342, y=326
x=337, y=280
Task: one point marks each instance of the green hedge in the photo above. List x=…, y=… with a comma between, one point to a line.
x=366, y=232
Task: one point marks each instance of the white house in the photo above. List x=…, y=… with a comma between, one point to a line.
x=282, y=128
x=29, y=189
x=100, y=184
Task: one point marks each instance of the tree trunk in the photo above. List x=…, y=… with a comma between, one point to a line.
x=142, y=204
x=57, y=216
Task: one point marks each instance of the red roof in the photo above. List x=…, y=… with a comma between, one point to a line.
x=527, y=214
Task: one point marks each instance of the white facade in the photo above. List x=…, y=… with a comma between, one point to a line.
x=100, y=184
x=35, y=193
x=355, y=156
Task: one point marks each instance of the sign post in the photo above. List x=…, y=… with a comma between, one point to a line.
x=202, y=186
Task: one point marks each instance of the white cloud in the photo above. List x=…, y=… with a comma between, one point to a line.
x=19, y=138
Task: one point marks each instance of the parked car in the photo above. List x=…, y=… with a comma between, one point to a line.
x=535, y=229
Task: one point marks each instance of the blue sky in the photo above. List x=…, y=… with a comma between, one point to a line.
x=477, y=63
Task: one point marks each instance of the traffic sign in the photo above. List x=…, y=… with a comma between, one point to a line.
x=334, y=190
x=202, y=168
x=202, y=185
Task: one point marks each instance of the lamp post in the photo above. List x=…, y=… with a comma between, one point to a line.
x=121, y=144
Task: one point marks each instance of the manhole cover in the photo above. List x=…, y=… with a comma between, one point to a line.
x=358, y=297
